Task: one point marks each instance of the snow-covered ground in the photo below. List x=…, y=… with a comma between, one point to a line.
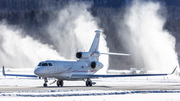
x=126, y=97
x=88, y=94
x=23, y=81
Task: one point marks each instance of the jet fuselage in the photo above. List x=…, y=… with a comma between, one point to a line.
x=63, y=70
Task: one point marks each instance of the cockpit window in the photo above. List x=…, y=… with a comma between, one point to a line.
x=39, y=64
x=44, y=64
x=50, y=64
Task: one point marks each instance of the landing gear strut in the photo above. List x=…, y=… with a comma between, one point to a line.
x=60, y=83
x=88, y=82
x=45, y=82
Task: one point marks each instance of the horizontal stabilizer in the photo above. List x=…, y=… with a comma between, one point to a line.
x=123, y=54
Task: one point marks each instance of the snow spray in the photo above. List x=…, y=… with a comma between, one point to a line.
x=143, y=35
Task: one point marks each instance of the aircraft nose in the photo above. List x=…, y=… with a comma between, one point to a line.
x=37, y=71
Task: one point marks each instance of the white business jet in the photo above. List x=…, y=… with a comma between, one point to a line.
x=82, y=69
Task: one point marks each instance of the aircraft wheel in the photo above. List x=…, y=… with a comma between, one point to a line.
x=58, y=83
x=45, y=82
x=61, y=83
x=88, y=83
x=45, y=85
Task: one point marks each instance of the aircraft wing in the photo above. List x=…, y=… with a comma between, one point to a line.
x=107, y=76
x=21, y=75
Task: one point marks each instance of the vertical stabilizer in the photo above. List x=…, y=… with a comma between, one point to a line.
x=95, y=44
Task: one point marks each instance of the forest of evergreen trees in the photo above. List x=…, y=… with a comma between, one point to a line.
x=33, y=15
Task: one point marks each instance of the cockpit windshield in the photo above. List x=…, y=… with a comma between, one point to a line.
x=45, y=64
x=50, y=64
x=39, y=64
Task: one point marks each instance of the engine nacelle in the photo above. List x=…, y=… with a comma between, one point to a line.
x=82, y=55
x=96, y=65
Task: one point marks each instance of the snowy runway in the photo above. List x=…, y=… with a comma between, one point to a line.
x=62, y=93
x=152, y=87
x=149, y=88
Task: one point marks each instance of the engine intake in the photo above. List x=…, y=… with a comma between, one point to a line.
x=96, y=65
x=78, y=54
x=93, y=65
x=82, y=55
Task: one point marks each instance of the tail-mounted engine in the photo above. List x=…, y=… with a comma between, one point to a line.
x=85, y=55
x=82, y=55
x=96, y=65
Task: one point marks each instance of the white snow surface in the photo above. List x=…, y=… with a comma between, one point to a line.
x=89, y=95
x=129, y=97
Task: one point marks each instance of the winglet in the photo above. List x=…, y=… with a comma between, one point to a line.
x=3, y=71
x=173, y=70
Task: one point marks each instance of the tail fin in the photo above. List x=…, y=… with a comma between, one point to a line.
x=95, y=45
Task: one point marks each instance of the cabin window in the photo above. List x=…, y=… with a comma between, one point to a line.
x=50, y=64
x=44, y=64
x=39, y=64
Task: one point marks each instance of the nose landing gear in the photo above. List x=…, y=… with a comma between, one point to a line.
x=45, y=82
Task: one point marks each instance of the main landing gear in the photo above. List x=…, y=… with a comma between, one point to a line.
x=60, y=83
x=89, y=82
x=45, y=82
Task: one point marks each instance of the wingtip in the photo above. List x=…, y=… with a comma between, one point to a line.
x=174, y=70
x=3, y=71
